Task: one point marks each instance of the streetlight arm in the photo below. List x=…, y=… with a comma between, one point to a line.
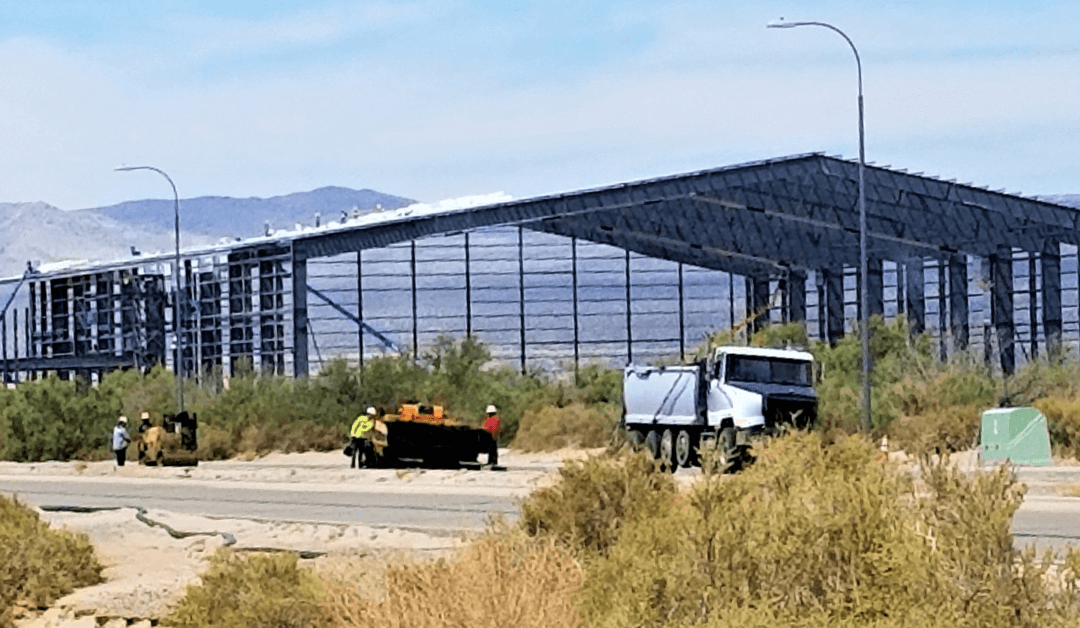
x=858, y=61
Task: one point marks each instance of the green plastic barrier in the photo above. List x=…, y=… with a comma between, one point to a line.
x=1017, y=434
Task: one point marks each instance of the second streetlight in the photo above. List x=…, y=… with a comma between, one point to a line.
x=864, y=326
x=177, y=308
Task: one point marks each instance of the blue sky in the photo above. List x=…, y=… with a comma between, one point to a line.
x=433, y=99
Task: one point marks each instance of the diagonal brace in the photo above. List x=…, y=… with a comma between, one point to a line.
x=368, y=328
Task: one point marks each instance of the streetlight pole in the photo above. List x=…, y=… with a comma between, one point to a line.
x=864, y=326
x=177, y=326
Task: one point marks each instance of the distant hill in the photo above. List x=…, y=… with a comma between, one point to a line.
x=39, y=232
x=222, y=216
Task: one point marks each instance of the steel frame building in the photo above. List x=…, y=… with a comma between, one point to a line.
x=978, y=267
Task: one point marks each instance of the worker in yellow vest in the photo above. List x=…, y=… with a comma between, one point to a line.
x=357, y=443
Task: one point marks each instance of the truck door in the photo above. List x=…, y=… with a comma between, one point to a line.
x=719, y=405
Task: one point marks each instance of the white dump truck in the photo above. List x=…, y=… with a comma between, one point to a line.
x=739, y=393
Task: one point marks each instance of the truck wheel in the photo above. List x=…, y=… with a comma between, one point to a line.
x=652, y=444
x=684, y=448
x=635, y=438
x=667, y=451
x=728, y=453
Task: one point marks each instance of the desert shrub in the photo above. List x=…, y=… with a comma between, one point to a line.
x=39, y=564
x=593, y=499
x=499, y=580
x=53, y=419
x=821, y=535
x=258, y=590
x=554, y=427
x=1063, y=422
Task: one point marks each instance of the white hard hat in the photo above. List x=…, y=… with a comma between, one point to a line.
x=371, y=411
x=146, y=415
x=491, y=409
x=123, y=419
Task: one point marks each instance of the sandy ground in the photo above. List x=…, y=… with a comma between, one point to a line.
x=147, y=569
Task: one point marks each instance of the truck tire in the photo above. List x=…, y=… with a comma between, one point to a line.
x=667, y=451
x=635, y=438
x=684, y=448
x=728, y=459
x=652, y=444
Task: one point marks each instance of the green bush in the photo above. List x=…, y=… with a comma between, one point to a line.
x=593, y=499
x=255, y=591
x=821, y=535
x=39, y=564
x=51, y=420
x=574, y=425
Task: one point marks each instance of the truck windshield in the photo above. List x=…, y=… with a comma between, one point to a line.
x=760, y=370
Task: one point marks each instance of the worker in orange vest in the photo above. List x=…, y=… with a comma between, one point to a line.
x=492, y=426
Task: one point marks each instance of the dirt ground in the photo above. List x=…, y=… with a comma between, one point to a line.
x=147, y=569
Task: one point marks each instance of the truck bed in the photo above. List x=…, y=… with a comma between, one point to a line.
x=669, y=395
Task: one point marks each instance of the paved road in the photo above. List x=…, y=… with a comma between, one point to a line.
x=428, y=510
x=1046, y=518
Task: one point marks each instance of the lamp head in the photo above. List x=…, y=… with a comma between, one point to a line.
x=782, y=24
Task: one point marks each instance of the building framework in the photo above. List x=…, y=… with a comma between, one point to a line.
x=633, y=271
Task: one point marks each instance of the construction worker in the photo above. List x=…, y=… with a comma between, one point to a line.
x=120, y=441
x=492, y=426
x=360, y=426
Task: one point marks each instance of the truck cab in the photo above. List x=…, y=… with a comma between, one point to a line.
x=761, y=390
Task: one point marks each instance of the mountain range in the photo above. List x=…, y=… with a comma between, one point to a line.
x=40, y=233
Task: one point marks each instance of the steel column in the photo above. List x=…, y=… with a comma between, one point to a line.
x=360, y=307
x=415, y=322
x=958, y=301
x=1001, y=306
x=468, y=289
x=796, y=297
x=731, y=300
x=1033, y=322
x=875, y=284
x=299, y=317
x=915, y=294
x=521, y=293
x=1051, y=296
x=682, y=317
x=629, y=327
x=760, y=309
x=574, y=283
x=834, y=304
